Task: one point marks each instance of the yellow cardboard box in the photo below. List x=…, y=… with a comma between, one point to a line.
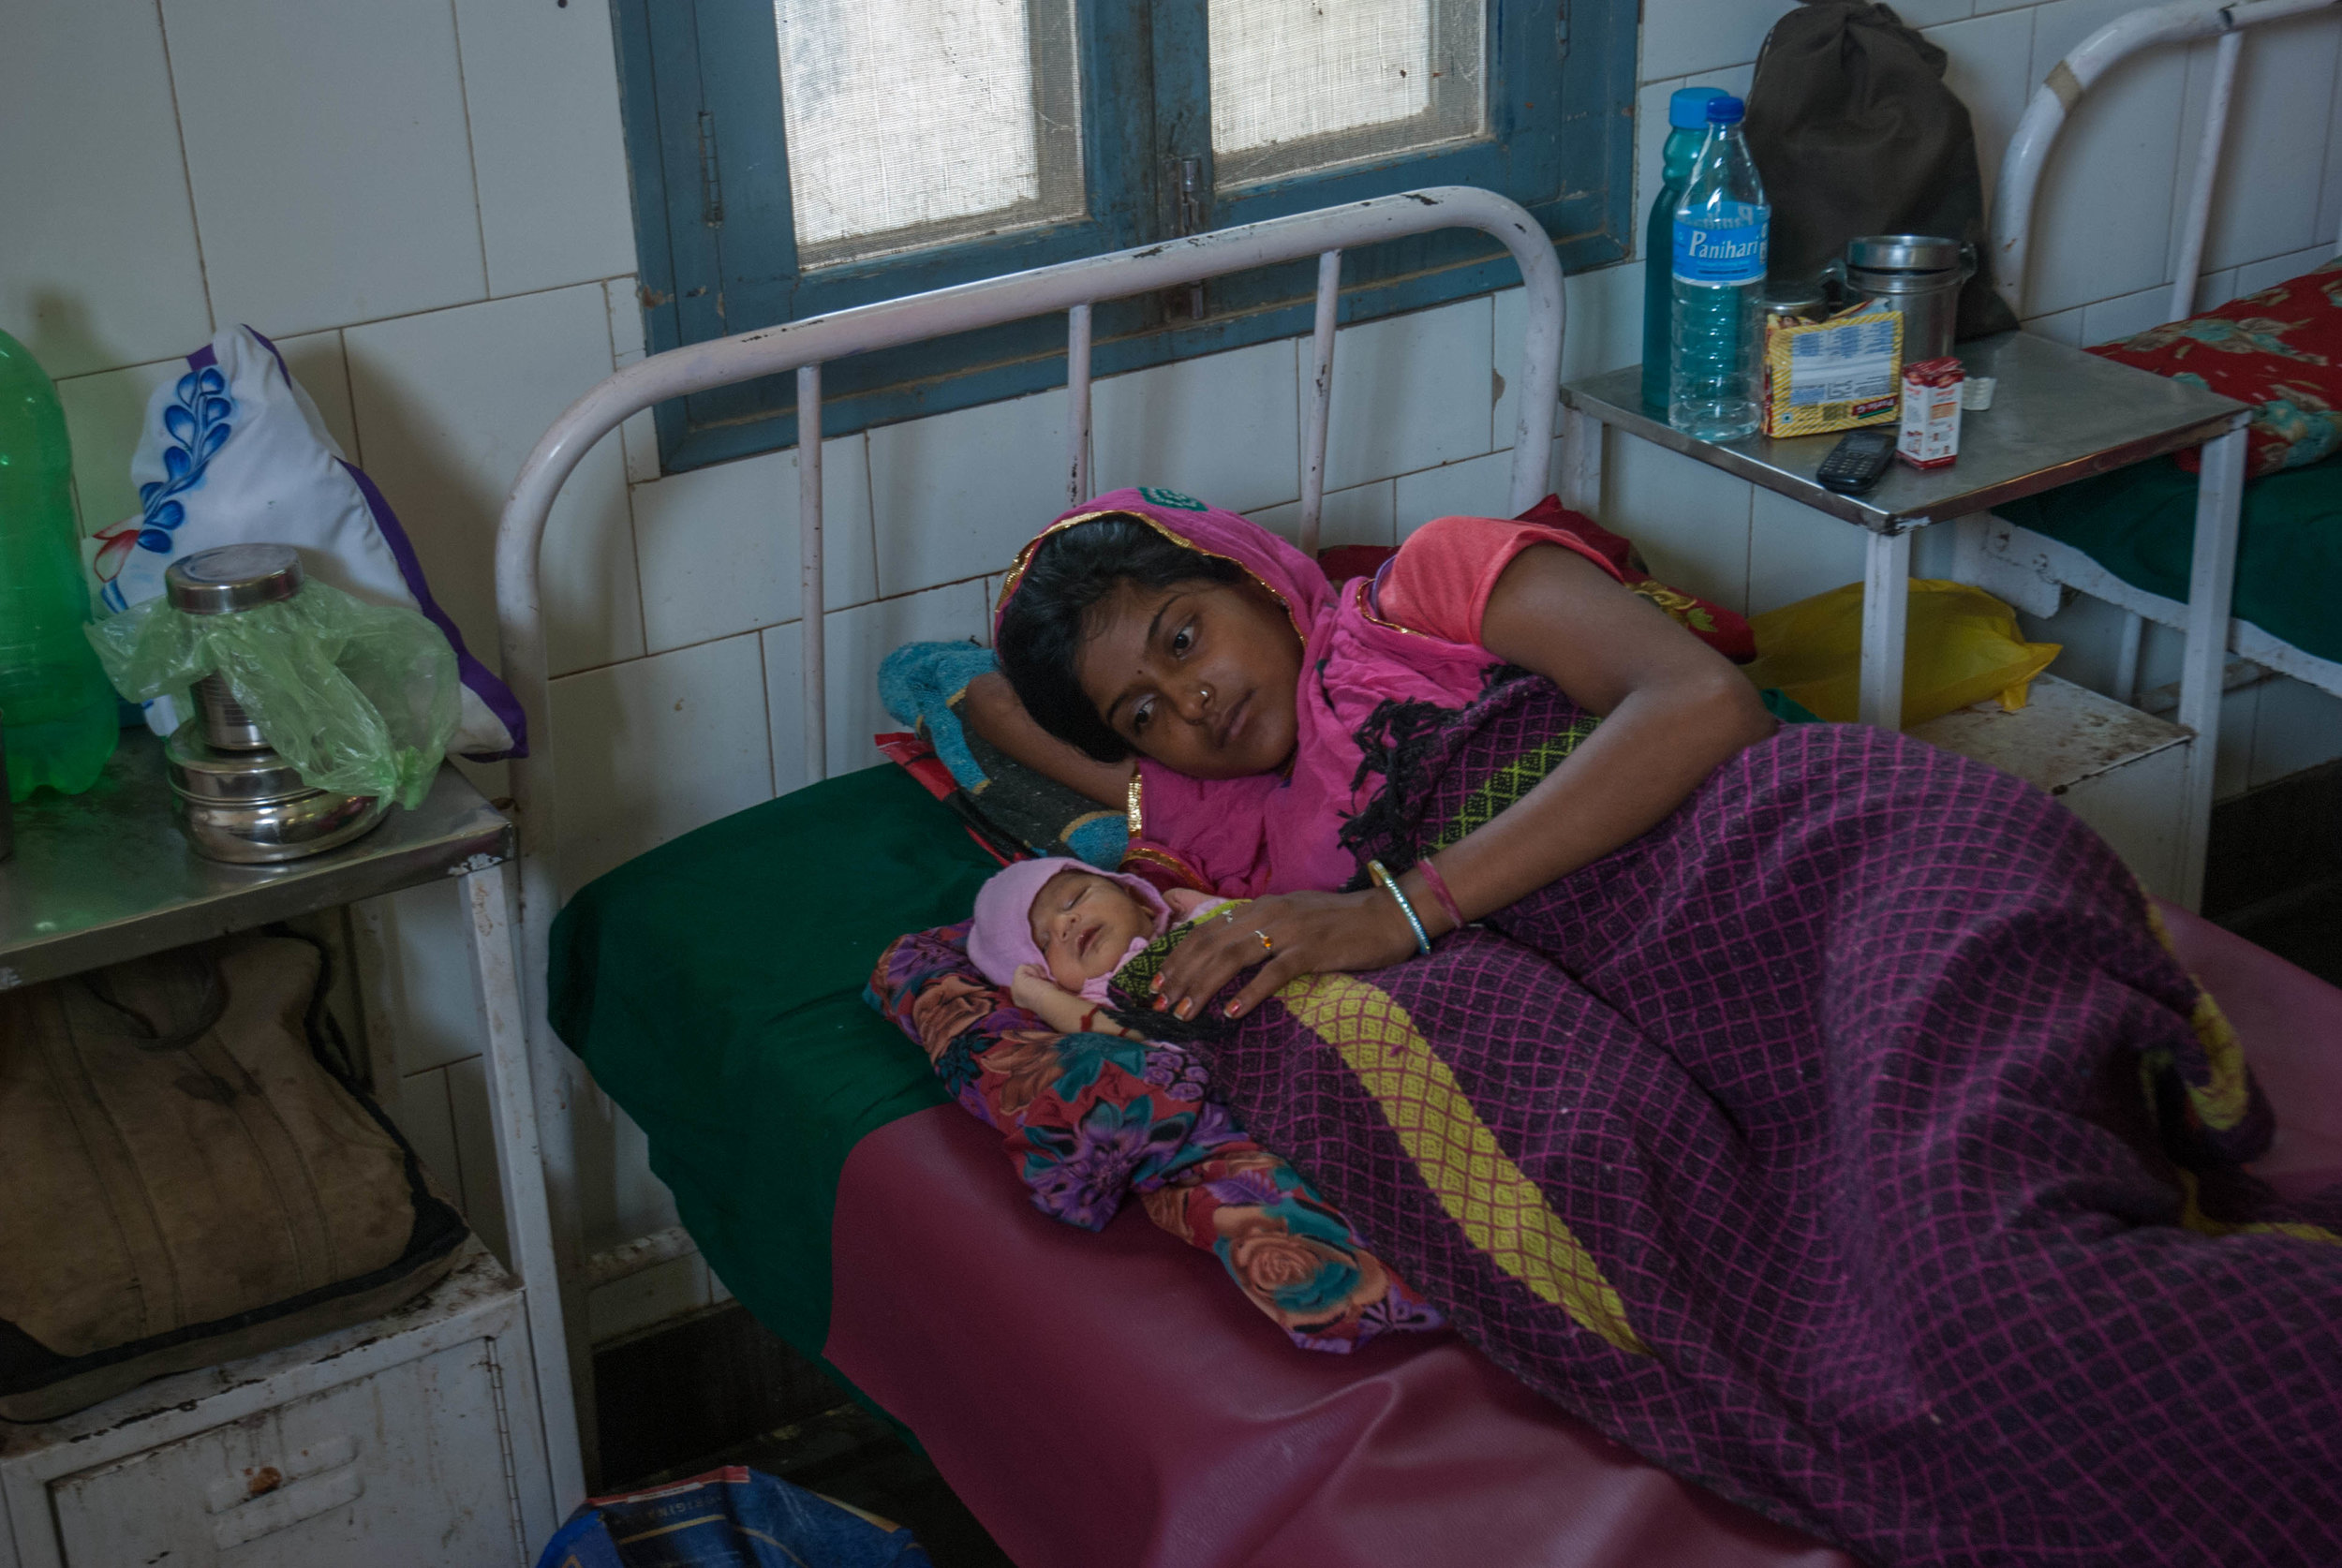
x=1834, y=374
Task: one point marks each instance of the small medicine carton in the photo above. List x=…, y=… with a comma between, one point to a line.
x=1931, y=413
x=1835, y=375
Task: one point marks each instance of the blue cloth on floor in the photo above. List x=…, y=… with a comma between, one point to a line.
x=728, y=1518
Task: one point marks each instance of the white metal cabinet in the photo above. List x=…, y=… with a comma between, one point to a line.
x=411, y=1442
x=95, y=883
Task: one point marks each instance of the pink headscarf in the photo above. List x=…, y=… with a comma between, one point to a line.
x=1000, y=939
x=1271, y=832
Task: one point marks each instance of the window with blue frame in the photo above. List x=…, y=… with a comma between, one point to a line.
x=790, y=157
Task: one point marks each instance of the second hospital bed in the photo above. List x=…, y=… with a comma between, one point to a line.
x=2127, y=537
x=1093, y=1398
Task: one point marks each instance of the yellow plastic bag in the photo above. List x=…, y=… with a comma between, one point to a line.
x=1964, y=646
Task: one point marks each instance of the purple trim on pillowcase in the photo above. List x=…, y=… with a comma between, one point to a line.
x=275, y=352
x=203, y=358
x=475, y=674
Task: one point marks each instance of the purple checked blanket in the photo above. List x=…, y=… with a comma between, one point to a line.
x=1849, y=1143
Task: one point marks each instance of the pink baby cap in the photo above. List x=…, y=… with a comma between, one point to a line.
x=1002, y=938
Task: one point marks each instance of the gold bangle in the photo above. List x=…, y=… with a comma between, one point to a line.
x=1131, y=817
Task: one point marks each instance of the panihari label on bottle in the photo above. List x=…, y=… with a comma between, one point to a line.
x=1728, y=247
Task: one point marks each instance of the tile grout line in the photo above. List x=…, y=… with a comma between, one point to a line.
x=765, y=684
x=633, y=528
x=187, y=176
x=369, y=321
x=350, y=391
x=472, y=158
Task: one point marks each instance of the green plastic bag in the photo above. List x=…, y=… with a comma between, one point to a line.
x=357, y=697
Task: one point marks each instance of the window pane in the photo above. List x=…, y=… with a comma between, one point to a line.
x=912, y=122
x=1299, y=84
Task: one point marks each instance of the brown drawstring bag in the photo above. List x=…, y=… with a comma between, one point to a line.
x=181, y=1179
x=1855, y=133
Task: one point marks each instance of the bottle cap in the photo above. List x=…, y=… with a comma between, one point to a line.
x=1725, y=110
x=1687, y=107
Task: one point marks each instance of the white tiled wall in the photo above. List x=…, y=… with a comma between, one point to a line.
x=426, y=203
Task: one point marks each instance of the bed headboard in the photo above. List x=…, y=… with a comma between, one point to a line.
x=2181, y=22
x=1072, y=286
x=557, y=1082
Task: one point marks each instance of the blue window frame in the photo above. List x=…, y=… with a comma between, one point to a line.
x=699, y=84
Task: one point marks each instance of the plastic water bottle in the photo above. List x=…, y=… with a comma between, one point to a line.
x=1719, y=266
x=59, y=712
x=1687, y=128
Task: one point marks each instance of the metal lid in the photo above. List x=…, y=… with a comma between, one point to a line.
x=1904, y=253
x=1791, y=297
x=232, y=577
x=198, y=772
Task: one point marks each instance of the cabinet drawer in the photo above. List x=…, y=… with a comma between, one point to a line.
x=407, y=1468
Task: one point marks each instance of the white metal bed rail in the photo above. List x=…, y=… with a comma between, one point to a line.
x=2208, y=628
x=2181, y=22
x=803, y=347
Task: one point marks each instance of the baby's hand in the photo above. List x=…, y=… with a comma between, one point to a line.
x=1182, y=900
x=1035, y=992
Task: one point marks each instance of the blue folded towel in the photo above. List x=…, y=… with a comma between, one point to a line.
x=917, y=683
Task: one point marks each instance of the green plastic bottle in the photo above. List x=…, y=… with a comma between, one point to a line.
x=58, y=710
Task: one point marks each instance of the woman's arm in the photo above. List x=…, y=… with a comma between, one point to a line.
x=1672, y=710
x=994, y=712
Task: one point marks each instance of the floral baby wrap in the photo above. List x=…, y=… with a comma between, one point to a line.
x=1089, y=1117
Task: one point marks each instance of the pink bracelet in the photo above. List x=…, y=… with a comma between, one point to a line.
x=1438, y=884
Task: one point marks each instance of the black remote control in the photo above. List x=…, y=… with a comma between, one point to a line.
x=1855, y=462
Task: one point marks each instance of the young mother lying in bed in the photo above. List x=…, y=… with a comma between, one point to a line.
x=1813, y=1111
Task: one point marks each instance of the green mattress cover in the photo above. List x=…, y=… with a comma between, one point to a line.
x=714, y=985
x=2139, y=523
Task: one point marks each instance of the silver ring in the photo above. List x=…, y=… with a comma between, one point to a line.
x=1266, y=944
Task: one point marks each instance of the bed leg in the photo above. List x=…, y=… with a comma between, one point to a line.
x=1886, y=618
x=513, y=1111
x=2127, y=660
x=2210, y=585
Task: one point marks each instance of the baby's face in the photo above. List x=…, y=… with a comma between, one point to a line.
x=1083, y=923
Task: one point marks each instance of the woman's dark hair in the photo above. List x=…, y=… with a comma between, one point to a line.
x=1050, y=616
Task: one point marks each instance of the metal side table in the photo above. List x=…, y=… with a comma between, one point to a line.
x=105, y=875
x=2058, y=415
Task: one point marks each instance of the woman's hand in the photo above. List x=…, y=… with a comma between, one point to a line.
x=1308, y=932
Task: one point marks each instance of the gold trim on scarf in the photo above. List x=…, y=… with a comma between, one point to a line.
x=1363, y=583
x=1189, y=877
x=1024, y=560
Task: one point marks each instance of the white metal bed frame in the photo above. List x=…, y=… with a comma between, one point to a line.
x=2046, y=561
x=559, y=1081
x=1072, y=286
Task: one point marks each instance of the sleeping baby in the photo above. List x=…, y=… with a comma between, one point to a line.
x=1055, y=931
